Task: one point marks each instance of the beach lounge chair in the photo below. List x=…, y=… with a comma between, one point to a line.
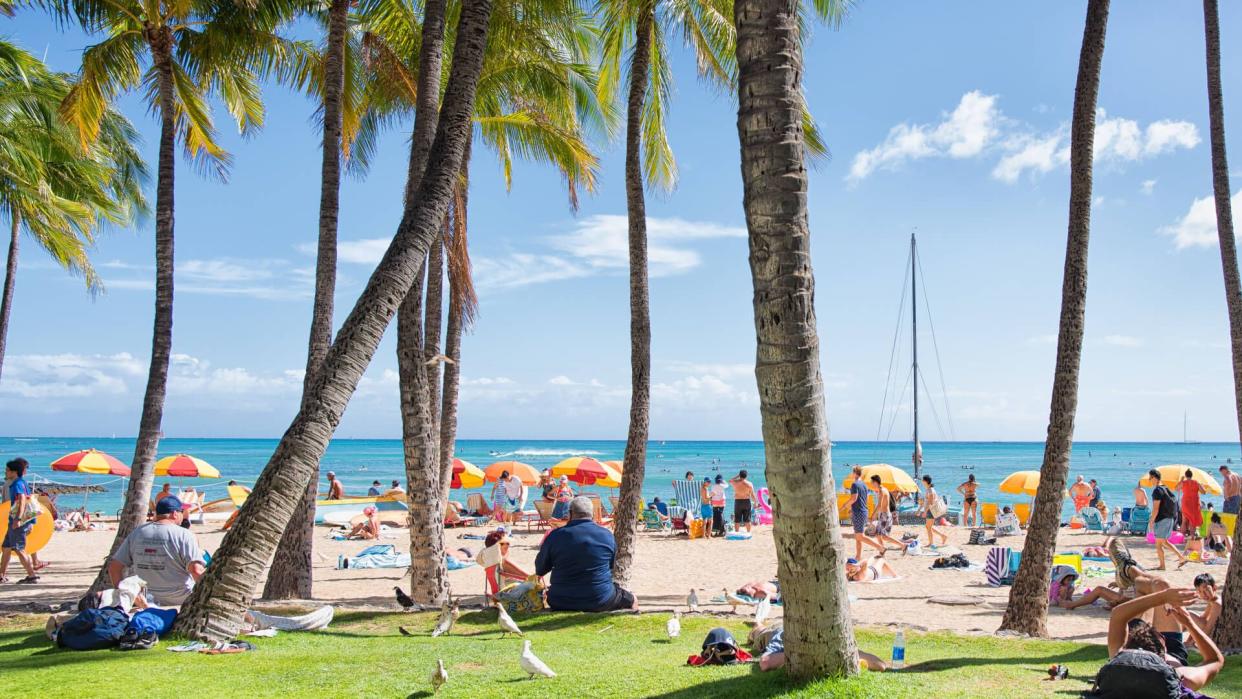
x=678, y=516
x=686, y=494
x=477, y=504
x=1023, y=511
x=987, y=513
x=612, y=502
x=1139, y=518
x=1091, y=519
x=546, y=520
x=599, y=515
x=652, y=522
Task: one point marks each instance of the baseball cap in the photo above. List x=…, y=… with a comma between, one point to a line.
x=168, y=505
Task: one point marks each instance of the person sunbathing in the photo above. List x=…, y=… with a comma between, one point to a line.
x=368, y=528
x=1061, y=591
x=871, y=570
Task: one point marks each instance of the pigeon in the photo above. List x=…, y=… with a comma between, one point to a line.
x=507, y=625
x=763, y=610
x=404, y=600
x=693, y=601
x=532, y=664
x=404, y=631
x=674, y=625
x=439, y=676
x=733, y=600
x=448, y=614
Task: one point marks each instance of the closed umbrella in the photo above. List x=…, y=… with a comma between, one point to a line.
x=1172, y=473
x=891, y=477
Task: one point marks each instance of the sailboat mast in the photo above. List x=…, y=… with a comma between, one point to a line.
x=917, y=457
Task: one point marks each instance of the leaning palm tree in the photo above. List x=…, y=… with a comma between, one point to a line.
x=1228, y=632
x=1027, y=610
x=216, y=607
x=181, y=54
x=48, y=187
x=791, y=394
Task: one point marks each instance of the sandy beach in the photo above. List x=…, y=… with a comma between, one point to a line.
x=666, y=567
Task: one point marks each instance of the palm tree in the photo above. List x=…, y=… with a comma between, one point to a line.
x=192, y=50
x=791, y=395
x=1228, y=632
x=291, y=576
x=219, y=601
x=48, y=187
x=1027, y=610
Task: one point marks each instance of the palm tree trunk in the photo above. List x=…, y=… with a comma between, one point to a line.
x=10, y=278
x=291, y=576
x=219, y=601
x=1027, y=610
x=460, y=298
x=819, y=636
x=625, y=519
x=1228, y=632
x=143, y=465
x=428, y=577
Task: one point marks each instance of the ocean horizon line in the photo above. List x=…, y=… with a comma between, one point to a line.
x=925, y=442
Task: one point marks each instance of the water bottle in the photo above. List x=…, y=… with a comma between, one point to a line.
x=340, y=561
x=899, y=649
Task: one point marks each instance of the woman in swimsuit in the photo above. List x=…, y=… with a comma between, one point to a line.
x=871, y=570
x=971, y=508
x=929, y=498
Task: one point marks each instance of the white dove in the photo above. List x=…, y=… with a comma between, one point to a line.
x=674, y=625
x=532, y=664
x=439, y=676
x=733, y=600
x=448, y=614
x=507, y=624
x=693, y=601
x=763, y=610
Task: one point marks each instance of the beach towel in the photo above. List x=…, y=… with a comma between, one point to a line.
x=737, y=536
x=720, y=599
x=312, y=621
x=997, y=565
x=456, y=563
x=379, y=556
x=687, y=494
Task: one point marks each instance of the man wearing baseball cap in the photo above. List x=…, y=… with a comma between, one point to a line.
x=163, y=554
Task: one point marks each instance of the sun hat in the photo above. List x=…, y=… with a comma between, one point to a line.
x=368, y=510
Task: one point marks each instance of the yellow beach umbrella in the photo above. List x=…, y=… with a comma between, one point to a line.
x=618, y=466
x=1172, y=473
x=891, y=477
x=1021, y=483
x=612, y=480
x=466, y=475
x=185, y=466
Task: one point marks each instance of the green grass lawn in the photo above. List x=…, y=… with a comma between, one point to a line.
x=595, y=656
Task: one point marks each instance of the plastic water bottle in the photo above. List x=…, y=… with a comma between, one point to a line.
x=340, y=561
x=899, y=649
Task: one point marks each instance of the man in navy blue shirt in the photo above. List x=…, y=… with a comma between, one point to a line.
x=858, y=514
x=21, y=520
x=579, y=557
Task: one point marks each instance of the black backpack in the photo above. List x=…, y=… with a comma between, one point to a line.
x=1136, y=674
x=719, y=648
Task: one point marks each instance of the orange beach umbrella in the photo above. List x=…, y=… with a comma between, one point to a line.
x=466, y=475
x=91, y=461
x=529, y=475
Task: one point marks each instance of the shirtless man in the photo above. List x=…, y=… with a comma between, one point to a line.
x=1140, y=496
x=336, y=491
x=1081, y=493
x=743, y=499
x=883, y=514
x=1131, y=574
x=1233, y=491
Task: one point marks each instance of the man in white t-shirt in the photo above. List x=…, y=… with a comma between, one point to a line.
x=514, y=491
x=163, y=554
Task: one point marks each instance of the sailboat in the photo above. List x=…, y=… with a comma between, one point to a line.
x=1185, y=440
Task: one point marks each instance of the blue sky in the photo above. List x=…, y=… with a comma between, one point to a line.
x=951, y=119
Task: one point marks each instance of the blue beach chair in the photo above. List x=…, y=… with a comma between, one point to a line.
x=1139, y=517
x=1091, y=519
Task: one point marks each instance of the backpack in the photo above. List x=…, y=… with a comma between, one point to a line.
x=719, y=648
x=1136, y=674
x=92, y=629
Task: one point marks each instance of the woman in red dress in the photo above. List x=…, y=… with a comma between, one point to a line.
x=1192, y=515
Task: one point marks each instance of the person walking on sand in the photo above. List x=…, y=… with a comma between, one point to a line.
x=1163, y=517
x=970, y=504
x=884, y=514
x=22, y=512
x=516, y=493
x=1233, y=491
x=1081, y=493
x=336, y=491
x=933, y=508
x=717, y=494
x=1192, y=513
x=743, y=500
x=857, y=506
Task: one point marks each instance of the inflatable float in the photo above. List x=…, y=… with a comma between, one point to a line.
x=765, y=506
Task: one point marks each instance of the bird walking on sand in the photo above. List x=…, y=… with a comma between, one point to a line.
x=763, y=610
x=507, y=624
x=448, y=614
x=404, y=600
x=532, y=664
x=674, y=625
x=439, y=676
x=733, y=600
x=693, y=601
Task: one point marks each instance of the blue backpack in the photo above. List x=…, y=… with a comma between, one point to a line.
x=93, y=629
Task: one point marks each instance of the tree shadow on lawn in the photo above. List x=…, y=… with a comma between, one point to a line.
x=1081, y=655
x=473, y=624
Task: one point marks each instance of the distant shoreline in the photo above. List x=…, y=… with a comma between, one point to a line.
x=836, y=442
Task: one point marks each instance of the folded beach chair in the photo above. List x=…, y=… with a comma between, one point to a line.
x=1139, y=517
x=1015, y=559
x=1091, y=519
x=477, y=504
x=678, y=516
x=612, y=502
x=1023, y=511
x=987, y=513
x=546, y=520
x=653, y=523
x=687, y=494
x=996, y=567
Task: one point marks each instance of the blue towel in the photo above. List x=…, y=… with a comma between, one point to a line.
x=153, y=620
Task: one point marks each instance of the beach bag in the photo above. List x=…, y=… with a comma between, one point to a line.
x=696, y=528
x=719, y=648
x=979, y=537
x=937, y=508
x=524, y=597
x=93, y=629
x=1136, y=674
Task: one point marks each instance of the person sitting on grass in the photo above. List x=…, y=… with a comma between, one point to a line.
x=579, y=556
x=1131, y=575
x=873, y=569
x=1141, y=664
x=368, y=528
x=163, y=554
x=770, y=642
x=1061, y=591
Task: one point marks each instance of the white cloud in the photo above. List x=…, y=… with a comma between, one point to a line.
x=964, y=133
x=1039, y=155
x=1164, y=136
x=1198, y=227
x=366, y=251
x=1148, y=186
x=1122, y=341
x=69, y=376
x=724, y=371
x=524, y=269
x=268, y=279
x=488, y=381
x=561, y=381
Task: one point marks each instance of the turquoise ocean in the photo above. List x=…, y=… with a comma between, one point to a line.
x=1116, y=465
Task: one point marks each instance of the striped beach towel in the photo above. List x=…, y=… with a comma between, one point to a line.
x=687, y=493
x=997, y=565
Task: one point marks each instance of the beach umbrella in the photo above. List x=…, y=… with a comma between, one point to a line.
x=582, y=470
x=91, y=461
x=529, y=475
x=1172, y=473
x=1021, y=483
x=612, y=480
x=466, y=475
x=618, y=466
x=185, y=466
x=891, y=477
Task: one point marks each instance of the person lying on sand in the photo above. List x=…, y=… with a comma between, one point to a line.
x=870, y=570
x=770, y=641
x=1061, y=591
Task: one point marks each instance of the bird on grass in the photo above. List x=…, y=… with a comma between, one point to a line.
x=693, y=601
x=506, y=622
x=448, y=614
x=733, y=600
x=404, y=600
x=674, y=625
x=763, y=610
x=532, y=664
x=439, y=676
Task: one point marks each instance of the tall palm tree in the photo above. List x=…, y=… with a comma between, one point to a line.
x=48, y=186
x=1228, y=632
x=791, y=395
x=219, y=601
x=291, y=576
x=1027, y=610
x=191, y=51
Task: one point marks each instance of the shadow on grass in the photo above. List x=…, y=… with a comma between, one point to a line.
x=1084, y=654
x=21, y=641
x=752, y=685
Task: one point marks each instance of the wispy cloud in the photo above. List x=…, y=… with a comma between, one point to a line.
x=268, y=279
x=1147, y=187
x=1122, y=341
x=1198, y=227
x=963, y=133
